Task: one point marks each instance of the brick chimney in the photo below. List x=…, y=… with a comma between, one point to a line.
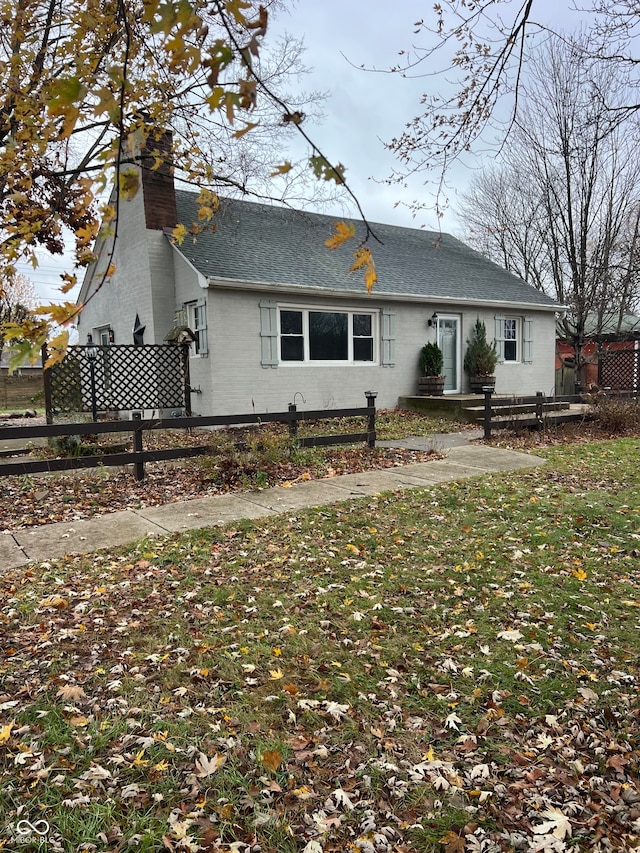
x=157, y=184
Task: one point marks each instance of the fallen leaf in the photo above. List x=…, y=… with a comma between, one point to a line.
x=513, y=636
x=557, y=824
x=72, y=692
x=208, y=766
x=54, y=601
x=452, y=842
x=617, y=762
x=272, y=759
x=453, y=721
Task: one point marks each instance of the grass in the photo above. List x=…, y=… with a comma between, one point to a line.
x=445, y=669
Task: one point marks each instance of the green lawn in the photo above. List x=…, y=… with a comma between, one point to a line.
x=449, y=669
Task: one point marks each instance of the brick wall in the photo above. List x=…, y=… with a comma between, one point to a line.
x=159, y=194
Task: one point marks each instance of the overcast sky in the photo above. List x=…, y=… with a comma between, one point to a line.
x=363, y=109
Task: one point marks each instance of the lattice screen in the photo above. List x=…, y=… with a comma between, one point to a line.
x=125, y=377
x=620, y=370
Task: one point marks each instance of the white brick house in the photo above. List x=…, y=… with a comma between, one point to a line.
x=275, y=312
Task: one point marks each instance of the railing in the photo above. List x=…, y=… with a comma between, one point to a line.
x=524, y=411
x=139, y=456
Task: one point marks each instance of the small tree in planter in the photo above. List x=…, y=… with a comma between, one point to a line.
x=480, y=359
x=431, y=383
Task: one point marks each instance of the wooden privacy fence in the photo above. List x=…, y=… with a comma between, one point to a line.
x=139, y=456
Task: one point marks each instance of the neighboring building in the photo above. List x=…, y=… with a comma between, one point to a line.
x=274, y=312
x=26, y=368
x=612, y=356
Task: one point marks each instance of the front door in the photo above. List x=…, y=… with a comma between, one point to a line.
x=449, y=343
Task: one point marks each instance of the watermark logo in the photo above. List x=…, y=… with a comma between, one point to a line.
x=30, y=833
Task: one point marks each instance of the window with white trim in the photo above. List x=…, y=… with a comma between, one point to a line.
x=310, y=335
x=102, y=336
x=514, y=339
x=197, y=322
x=511, y=339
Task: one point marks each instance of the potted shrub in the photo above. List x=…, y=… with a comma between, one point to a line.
x=480, y=359
x=431, y=382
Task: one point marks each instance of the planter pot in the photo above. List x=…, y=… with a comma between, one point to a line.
x=477, y=383
x=431, y=386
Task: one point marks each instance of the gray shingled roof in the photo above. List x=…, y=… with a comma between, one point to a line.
x=261, y=243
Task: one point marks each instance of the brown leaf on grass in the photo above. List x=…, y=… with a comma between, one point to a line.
x=617, y=762
x=71, y=692
x=452, y=842
x=272, y=759
x=54, y=601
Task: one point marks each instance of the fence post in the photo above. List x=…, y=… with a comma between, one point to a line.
x=46, y=381
x=138, y=467
x=539, y=397
x=293, y=423
x=488, y=391
x=371, y=427
x=186, y=372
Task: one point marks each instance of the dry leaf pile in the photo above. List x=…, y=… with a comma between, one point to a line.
x=452, y=669
x=30, y=501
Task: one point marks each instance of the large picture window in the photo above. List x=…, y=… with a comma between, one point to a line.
x=330, y=336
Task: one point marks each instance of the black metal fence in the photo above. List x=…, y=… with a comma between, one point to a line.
x=139, y=456
x=118, y=378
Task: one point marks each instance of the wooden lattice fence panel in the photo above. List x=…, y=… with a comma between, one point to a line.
x=620, y=370
x=124, y=378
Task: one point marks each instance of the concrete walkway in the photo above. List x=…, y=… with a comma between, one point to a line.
x=52, y=541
